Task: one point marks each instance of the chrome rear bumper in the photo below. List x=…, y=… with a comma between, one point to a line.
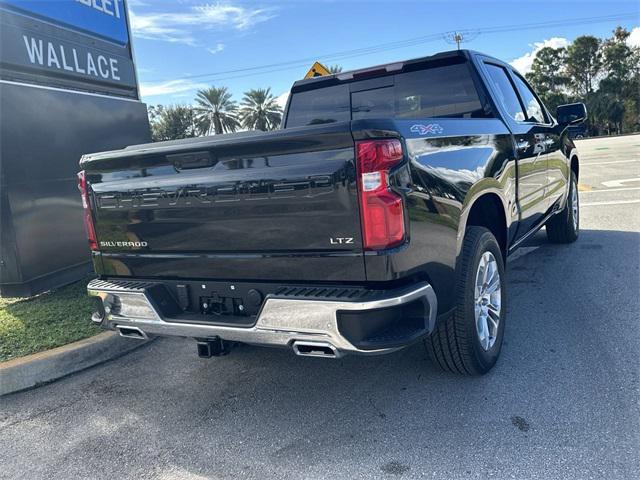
x=281, y=322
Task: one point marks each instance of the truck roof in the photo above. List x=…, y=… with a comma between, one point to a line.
x=376, y=70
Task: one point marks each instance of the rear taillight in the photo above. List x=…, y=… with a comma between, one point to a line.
x=381, y=209
x=88, y=216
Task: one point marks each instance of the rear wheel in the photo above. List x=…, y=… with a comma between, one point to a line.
x=469, y=341
x=564, y=227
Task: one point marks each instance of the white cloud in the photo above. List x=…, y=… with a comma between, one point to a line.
x=178, y=27
x=634, y=38
x=168, y=88
x=217, y=49
x=282, y=99
x=523, y=63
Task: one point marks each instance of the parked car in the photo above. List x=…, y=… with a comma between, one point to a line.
x=578, y=131
x=381, y=214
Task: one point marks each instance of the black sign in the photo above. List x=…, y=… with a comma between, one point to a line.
x=35, y=50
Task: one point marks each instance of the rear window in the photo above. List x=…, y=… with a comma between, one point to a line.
x=443, y=91
x=323, y=105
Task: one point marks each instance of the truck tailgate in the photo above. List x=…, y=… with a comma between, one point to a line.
x=248, y=206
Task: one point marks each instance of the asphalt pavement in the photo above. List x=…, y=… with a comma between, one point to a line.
x=562, y=402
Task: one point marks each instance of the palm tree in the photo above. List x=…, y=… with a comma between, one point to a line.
x=259, y=110
x=216, y=111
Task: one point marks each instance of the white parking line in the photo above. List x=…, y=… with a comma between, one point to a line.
x=614, y=202
x=587, y=164
x=607, y=190
x=619, y=183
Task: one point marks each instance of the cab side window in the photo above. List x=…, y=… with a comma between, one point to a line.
x=505, y=92
x=535, y=112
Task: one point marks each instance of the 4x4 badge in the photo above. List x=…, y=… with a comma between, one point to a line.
x=433, y=128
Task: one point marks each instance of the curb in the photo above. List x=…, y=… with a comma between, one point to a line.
x=44, y=367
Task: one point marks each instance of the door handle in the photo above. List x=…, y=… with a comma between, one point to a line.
x=522, y=145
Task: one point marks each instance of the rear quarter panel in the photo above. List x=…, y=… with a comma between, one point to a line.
x=451, y=163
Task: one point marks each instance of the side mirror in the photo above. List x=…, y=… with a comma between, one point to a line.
x=571, y=114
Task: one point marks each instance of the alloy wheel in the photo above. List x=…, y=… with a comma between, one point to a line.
x=487, y=300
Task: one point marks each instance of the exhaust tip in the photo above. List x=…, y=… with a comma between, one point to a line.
x=132, y=332
x=97, y=318
x=315, y=349
x=99, y=313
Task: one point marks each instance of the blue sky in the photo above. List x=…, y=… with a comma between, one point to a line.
x=179, y=43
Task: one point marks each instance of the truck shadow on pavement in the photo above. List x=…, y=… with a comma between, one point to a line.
x=569, y=364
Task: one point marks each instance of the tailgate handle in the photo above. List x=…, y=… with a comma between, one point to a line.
x=186, y=161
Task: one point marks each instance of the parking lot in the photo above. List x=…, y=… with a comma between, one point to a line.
x=562, y=402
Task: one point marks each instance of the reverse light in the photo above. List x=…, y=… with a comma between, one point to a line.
x=88, y=216
x=381, y=209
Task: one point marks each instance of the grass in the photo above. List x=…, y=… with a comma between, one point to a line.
x=53, y=319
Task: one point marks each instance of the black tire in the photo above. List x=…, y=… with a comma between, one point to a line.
x=455, y=345
x=561, y=228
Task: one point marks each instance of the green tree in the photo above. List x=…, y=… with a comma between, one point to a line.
x=621, y=63
x=334, y=68
x=605, y=112
x=618, y=57
x=631, y=117
x=154, y=111
x=216, y=111
x=259, y=110
x=548, y=77
x=604, y=74
x=172, y=122
x=584, y=64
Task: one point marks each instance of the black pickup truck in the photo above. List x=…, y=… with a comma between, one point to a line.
x=381, y=214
